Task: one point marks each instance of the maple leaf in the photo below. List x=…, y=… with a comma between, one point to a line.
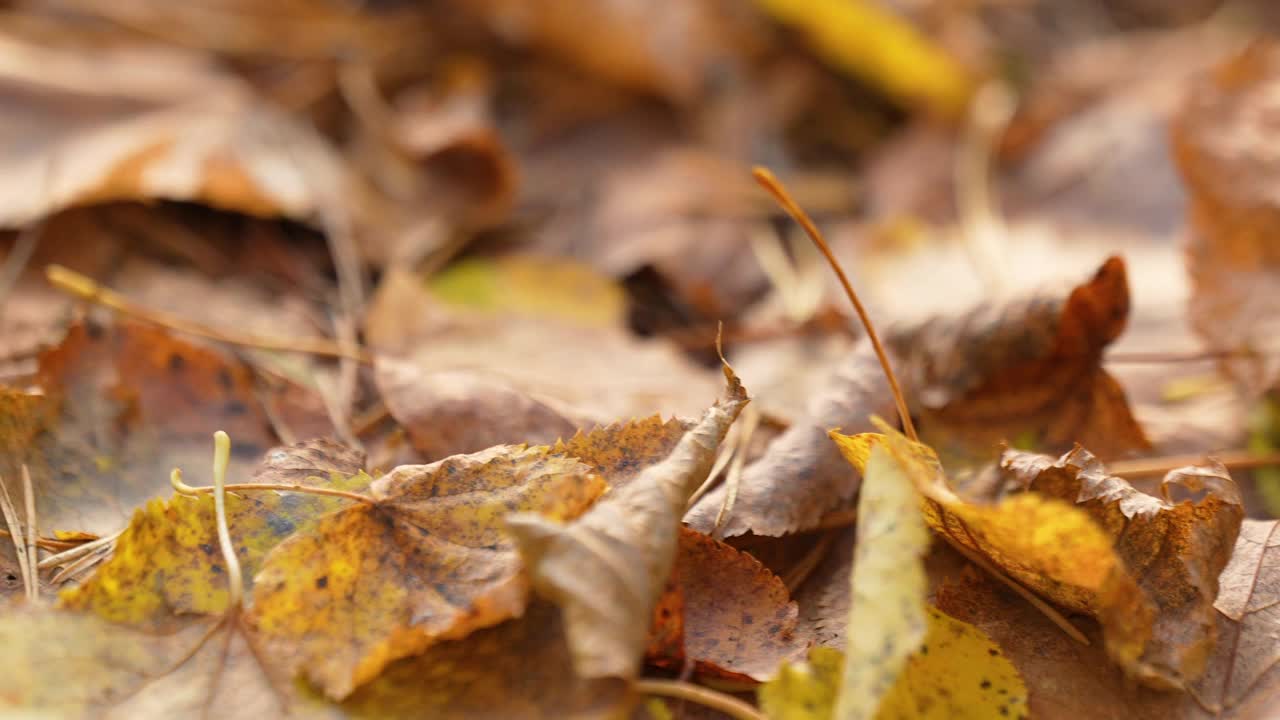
x=1175, y=550
x=426, y=559
x=628, y=537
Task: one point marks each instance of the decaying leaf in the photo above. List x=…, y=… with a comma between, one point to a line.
x=426, y=560
x=520, y=669
x=620, y=451
x=743, y=634
x=958, y=672
x=1243, y=674
x=1044, y=543
x=167, y=562
x=455, y=412
x=123, y=404
x=628, y=540
x=621, y=377
x=801, y=476
x=149, y=124
x=1219, y=142
x=1174, y=547
x=1027, y=373
x=887, y=585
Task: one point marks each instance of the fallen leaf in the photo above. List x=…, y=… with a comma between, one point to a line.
x=1243, y=675
x=455, y=412
x=127, y=403
x=520, y=669
x=628, y=537
x=958, y=672
x=621, y=377
x=1218, y=139
x=425, y=561
x=801, y=475
x=1044, y=543
x=167, y=562
x=743, y=635
x=619, y=452
x=1027, y=373
x=871, y=43
x=1174, y=546
x=150, y=124
x=887, y=584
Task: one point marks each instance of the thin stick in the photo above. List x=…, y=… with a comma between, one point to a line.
x=85, y=288
x=1181, y=357
x=175, y=480
x=775, y=188
x=33, y=553
x=751, y=419
x=714, y=699
x=17, y=259
x=15, y=534
x=803, y=569
x=78, y=551
x=1232, y=460
x=221, y=457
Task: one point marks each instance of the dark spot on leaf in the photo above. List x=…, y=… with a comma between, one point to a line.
x=224, y=379
x=924, y=649
x=207, y=548
x=279, y=525
x=177, y=363
x=993, y=653
x=985, y=684
x=747, y=619
x=217, y=569
x=94, y=330
x=235, y=407
x=1004, y=711
x=322, y=582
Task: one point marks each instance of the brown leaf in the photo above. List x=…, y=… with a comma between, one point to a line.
x=1243, y=676
x=1174, y=546
x=739, y=620
x=628, y=539
x=618, y=376
x=454, y=412
x=126, y=403
x=149, y=124
x=1027, y=372
x=801, y=475
x=426, y=561
x=1220, y=142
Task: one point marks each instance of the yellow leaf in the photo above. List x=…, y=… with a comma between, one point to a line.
x=957, y=673
x=528, y=285
x=886, y=616
x=860, y=38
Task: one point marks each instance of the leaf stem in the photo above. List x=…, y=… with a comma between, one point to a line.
x=714, y=699
x=33, y=552
x=86, y=288
x=221, y=457
x=175, y=479
x=1231, y=459
x=775, y=188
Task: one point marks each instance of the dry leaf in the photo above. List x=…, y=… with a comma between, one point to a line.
x=149, y=124
x=628, y=538
x=801, y=475
x=454, y=412
x=168, y=563
x=887, y=584
x=426, y=560
x=126, y=403
x=1027, y=373
x=1220, y=142
x=1174, y=546
x=742, y=635
x=957, y=673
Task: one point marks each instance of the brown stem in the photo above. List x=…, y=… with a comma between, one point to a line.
x=714, y=699
x=775, y=188
x=86, y=288
x=1232, y=460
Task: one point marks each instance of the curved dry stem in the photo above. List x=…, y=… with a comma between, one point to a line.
x=714, y=699
x=221, y=457
x=779, y=193
x=175, y=479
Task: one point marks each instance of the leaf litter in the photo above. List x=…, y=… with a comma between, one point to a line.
x=552, y=243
